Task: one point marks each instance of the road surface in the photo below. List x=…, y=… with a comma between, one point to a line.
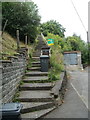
x=76, y=98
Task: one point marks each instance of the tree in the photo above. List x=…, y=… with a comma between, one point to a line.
x=77, y=44
x=23, y=16
x=59, y=41
x=52, y=27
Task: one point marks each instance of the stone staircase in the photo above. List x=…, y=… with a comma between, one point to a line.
x=35, y=93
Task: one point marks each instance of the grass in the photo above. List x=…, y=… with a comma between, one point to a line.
x=9, y=44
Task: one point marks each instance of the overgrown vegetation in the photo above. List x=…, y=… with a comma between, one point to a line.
x=23, y=16
x=9, y=47
x=56, y=59
x=75, y=43
x=9, y=44
x=53, y=27
x=71, y=43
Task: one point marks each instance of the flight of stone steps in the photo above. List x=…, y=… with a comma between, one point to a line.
x=35, y=92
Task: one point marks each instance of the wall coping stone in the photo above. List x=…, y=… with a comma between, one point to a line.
x=13, y=57
x=5, y=61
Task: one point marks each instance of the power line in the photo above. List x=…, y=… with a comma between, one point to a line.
x=79, y=16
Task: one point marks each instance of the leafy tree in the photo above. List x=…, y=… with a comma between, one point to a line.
x=59, y=41
x=77, y=44
x=23, y=16
x=71, y=43
x=52, y=27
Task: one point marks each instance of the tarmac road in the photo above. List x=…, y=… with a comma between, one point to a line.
x=76, y=98
x=79, y=81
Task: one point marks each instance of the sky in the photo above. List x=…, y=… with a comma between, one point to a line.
x=63, y=12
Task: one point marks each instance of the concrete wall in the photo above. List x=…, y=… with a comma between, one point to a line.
x=11, y=72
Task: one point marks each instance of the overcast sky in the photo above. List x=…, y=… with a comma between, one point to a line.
x=64, y=12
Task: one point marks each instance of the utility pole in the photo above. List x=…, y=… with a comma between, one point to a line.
x=88, y=38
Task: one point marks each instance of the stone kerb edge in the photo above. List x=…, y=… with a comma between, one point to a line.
x=62, y=90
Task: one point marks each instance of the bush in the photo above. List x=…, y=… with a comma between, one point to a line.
x=56, y=59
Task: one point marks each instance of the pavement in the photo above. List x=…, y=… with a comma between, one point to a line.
x=76, y=99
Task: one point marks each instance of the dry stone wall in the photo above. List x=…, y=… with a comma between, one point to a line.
x=11, y=72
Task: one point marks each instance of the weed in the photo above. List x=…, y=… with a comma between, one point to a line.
x=21, y=83
x=15, y=98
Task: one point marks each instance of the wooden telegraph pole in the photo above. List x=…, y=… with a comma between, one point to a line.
x=18, y=44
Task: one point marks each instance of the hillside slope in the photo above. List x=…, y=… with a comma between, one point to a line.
x=9, y=44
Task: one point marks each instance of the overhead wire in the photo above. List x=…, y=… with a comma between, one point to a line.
x=79, y=16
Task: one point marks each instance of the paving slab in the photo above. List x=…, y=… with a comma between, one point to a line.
x=37, y=114
x=36, y=73
x=35, y=106
x=36, y=86
x=35, y=96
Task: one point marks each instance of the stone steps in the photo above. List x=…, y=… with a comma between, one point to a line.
x=36, y=73
x=38, y=62
x=36, y=86
x=36, y=58
x=34, y=69
x=35, y=106
x=35, y=96
x=37, y=114
x=36, y=65
x=37, y=54
x=36, y=79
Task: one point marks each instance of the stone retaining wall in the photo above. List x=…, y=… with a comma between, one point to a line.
x=59, y=90
x=11, y=72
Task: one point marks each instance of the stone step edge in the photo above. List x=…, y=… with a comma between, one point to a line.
x=37, y=107
x=53, y=108
x=46, y=111
x=45, y=86
x=34, y=68
x=36, y=81
x=37, y=74
x=35, y=88
x=35, y=63
x=35, y=99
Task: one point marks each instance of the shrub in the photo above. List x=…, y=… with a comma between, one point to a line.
x=56, y=59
